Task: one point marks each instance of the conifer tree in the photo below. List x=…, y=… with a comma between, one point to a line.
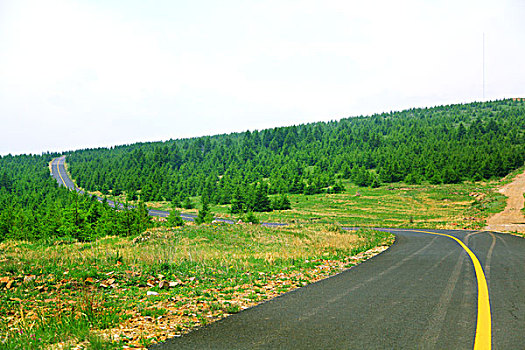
x=174, y=219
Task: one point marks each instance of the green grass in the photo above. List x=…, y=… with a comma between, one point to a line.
x=80, y=292
x=152, y=312
x=39, y=328
x=394, y=205
x=391, y=205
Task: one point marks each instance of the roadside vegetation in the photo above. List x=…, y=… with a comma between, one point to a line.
x=462, y=206
x=120, y=291
x=382, y=170
x=33, y=207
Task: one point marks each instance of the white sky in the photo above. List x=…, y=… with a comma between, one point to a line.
x=86, y=73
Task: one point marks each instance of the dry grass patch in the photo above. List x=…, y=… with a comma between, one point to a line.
x=133, y=292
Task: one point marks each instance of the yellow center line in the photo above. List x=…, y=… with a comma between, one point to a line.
x=483, y=338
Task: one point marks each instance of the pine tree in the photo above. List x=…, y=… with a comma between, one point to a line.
x=375, y=183
x=204, y=214
x=5, y=182
x=187, y=203
x=338, y=187
x=174, y=219
x=281, y=203
x=261, y=202
x=238, y=204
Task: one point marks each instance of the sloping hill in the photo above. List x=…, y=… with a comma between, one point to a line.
x=445, y=144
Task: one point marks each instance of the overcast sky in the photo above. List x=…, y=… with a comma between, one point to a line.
x=87, y=73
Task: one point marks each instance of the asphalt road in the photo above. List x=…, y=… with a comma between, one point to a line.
x=59, y=173
x=425, y=292
x=422, y=293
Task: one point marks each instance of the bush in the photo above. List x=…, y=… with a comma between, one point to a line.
x=250, y=218
x=174, y=219
x=281, y=203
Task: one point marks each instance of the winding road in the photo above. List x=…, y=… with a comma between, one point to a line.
x=422, y=293
x=59, y=173
x=433, y=289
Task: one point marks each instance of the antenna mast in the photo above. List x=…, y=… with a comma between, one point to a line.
x=483, y=66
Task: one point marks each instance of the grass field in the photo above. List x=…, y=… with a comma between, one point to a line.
x=465, y=205
x=134, y=292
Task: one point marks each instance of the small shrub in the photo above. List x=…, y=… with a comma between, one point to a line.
x=250, y=218
x=232, y=308
x=174, y=219
x=153, y=312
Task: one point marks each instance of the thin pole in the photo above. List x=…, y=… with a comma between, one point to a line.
x=483, y=66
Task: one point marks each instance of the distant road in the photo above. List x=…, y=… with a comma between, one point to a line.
x=422, y=293
x=59, y=173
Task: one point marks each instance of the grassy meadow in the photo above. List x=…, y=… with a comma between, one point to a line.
x=133, y=292
x=461, y=206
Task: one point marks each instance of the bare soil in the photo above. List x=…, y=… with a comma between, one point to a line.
x=511, y=218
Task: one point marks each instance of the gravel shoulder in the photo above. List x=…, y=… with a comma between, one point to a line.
x=511, y=218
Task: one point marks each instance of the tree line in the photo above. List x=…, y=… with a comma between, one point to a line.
x=445, y=144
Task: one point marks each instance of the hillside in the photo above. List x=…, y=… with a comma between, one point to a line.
x=239, y=171
x=446, y=144
x=33, y=207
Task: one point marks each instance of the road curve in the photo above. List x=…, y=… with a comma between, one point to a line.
x=59, y=173
x=423, y=292
x=419, y=294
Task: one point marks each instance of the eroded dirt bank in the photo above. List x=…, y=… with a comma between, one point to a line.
x=510, y=219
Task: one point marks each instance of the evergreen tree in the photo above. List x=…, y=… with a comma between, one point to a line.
x=281, y=203
x=261, y=201
x=174, y=219
x=238, y=204
x=375, y=183
x=187, y=203
x=5, y=182
x=175, y=203
x=338, y=187
x=204, y=215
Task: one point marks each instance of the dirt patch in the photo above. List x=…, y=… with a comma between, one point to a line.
x=511, y=218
